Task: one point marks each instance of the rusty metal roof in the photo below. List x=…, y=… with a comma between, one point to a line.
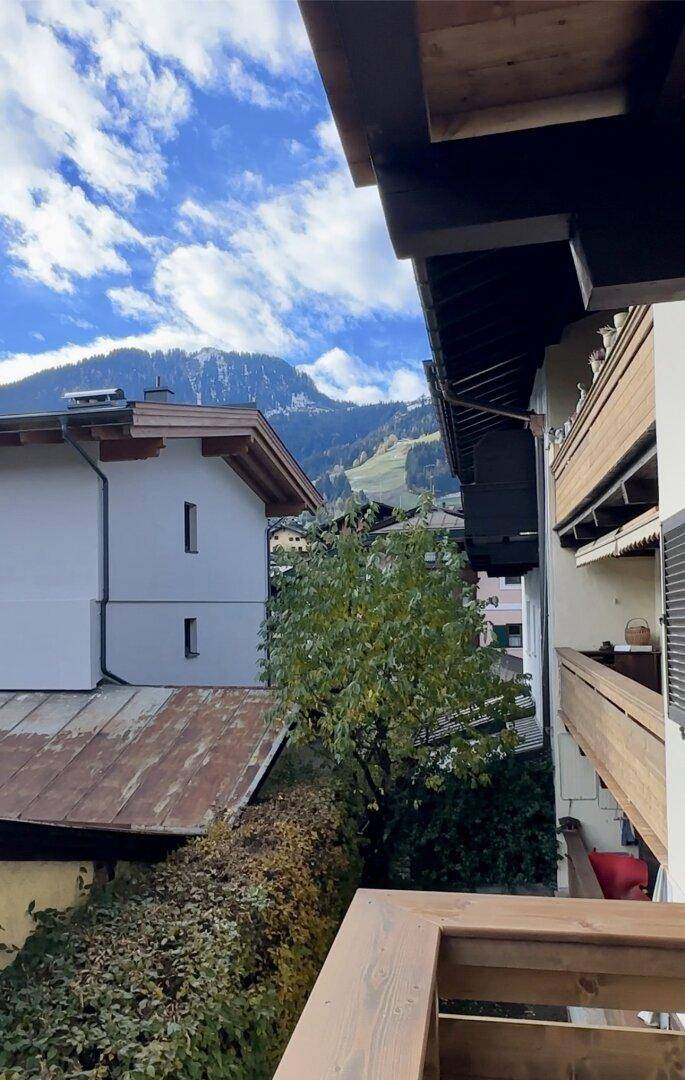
x=149, y=759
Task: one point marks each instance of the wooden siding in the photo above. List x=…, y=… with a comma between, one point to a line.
x=372, y=1014
x=619, y=725
x=617, y=417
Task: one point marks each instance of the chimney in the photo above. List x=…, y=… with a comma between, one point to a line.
x=158, y=392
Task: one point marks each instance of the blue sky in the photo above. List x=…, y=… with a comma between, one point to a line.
x=172, y=177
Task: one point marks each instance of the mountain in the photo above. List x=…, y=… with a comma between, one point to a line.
x=326, y=436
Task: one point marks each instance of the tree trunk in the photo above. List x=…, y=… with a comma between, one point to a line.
x=376, y=871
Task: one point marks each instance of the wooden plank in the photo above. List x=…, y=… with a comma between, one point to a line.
x=130, y=449
x=539, y=919
x=226, y=445
x=16, y=706
x=582, y=877
x=368, y=1016
x=578, y=958
x=89, y=766
x=40, y=438
x=485, y=1048
x=536, y=986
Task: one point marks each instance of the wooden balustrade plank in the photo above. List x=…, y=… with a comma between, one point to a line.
x=587, y=957
x=618, y=413
x=368, y=1015
x=486, y=1048
x=535, y=986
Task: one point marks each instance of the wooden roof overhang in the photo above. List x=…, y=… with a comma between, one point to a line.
x=137, y=430
x=534, y=141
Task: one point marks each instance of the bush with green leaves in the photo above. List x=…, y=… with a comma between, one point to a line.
x=373, y=644
x=464, y=838
x=197, y=967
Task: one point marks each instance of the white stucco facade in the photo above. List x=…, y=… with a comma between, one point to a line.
x=51, y=577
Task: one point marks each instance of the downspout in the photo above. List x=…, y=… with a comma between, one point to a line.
x=105, y=551
x=544, y=590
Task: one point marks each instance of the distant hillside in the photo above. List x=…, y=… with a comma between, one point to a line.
x=326, y=436
x=384, y=476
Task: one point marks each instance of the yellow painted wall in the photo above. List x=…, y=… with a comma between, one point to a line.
x=49, y=884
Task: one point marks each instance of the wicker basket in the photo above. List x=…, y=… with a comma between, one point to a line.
x=638, y=635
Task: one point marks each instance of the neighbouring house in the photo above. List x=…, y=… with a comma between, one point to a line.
x=132, y=588
x=542, y=206
x=502, y=596
x=287, y=536
x=135, y=542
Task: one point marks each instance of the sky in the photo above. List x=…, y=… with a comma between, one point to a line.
x=172, y=177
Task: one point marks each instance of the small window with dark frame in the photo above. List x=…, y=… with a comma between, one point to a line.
x=190, y=527
x=190, y=635
x=514, y=635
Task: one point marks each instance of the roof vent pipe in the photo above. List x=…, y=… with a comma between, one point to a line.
x=158, y=392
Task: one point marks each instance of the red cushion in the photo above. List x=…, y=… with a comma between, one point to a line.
x=619, y=875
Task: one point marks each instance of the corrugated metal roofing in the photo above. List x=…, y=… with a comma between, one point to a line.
x=150, y=759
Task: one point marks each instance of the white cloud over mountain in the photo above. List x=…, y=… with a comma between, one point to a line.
x=91, y=94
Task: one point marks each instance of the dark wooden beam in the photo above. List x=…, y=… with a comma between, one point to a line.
x=9, y=438
x=40, y=438
x=284, y=509
x=109, y=431
x=226, y=445
x=610, y=517
x=130, y=449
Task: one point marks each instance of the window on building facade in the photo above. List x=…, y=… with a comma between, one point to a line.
x=190, y=527
x=511, y=581
x=190, y=635
x=514, y=635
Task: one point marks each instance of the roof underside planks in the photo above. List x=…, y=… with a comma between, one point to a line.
x=488, y=68
x=478, y=120
x=154, y=760
x=490, y=316
x=138, y=430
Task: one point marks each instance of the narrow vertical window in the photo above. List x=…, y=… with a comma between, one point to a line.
x=190, y=635
x=190, y=527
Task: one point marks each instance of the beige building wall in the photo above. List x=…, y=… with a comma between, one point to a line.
x=504, y=607
x=59, y=885
x=288, y=539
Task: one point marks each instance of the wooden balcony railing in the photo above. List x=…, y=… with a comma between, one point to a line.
x=616, y=419
x=375, y=1012
x=619, y=725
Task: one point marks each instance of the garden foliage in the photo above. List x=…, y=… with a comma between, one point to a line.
x=197, y=967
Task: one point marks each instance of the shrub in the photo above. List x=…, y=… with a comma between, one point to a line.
x=463, y=838
x=198, y=967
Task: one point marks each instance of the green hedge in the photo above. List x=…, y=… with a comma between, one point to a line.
x=197, y=967
x=462, y=838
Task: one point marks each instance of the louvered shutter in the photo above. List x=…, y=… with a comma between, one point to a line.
x=673, y=552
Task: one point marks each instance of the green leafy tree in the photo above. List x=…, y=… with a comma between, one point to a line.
x=373, y=655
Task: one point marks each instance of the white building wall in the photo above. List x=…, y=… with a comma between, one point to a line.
x=669, y=375
x=155, y=584
x=50, y=560
x=583, y=606
x=50, y=570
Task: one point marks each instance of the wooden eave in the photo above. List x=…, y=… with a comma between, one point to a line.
x=241, y=436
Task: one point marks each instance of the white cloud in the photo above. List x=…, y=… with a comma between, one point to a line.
x=212, y=291
x=247, y=87
x=347, y=378
x=97, y=87
x=134, y=304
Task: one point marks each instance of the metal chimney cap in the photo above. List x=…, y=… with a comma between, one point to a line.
x=89, y=399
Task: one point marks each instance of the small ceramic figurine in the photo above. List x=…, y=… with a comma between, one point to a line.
x=556, y=435
x=608, y=336
x=596, y=361
x=620, y=319
x=583, y=394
